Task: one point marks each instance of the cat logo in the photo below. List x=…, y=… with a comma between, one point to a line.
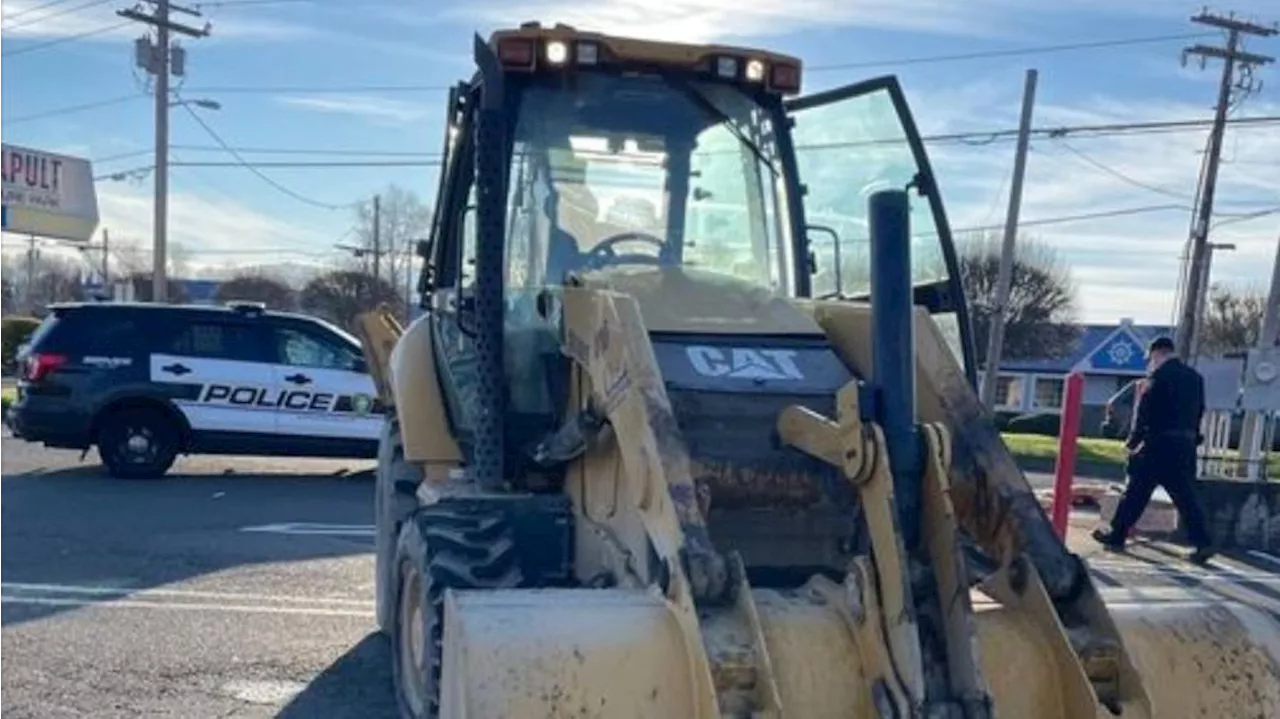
x=744, y=363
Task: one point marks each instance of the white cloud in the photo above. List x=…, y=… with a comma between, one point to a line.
x=371, y=107
x=205, y=226
x=706, y=20
x=31, y=23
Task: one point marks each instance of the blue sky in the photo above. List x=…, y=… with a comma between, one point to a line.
x=315, y=76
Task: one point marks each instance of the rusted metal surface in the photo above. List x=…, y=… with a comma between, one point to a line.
x=1205, y=659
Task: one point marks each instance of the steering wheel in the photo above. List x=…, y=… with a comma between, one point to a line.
x=603, y=253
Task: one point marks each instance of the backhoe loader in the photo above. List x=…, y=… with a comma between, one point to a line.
x=688, y=428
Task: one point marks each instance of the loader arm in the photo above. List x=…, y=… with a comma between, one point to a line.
x=379, y=331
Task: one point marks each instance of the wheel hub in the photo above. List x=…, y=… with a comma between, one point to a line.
x=411, y=644
x=138, y=443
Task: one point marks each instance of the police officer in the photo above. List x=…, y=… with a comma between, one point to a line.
x=1162, y=448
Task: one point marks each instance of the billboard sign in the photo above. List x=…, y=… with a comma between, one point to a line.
x=48, y=195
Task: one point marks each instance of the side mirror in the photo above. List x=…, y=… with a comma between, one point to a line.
x=360, y=366
x=810, y=231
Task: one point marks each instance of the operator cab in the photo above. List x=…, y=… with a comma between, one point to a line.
x=672, y=174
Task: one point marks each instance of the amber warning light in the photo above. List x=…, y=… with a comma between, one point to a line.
x=564, y=51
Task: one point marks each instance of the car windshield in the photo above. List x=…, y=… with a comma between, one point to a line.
x=645, y=170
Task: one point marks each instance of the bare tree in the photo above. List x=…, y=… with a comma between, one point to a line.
x=129, y=256
x=339, y=296
x=1233, y=319
x=404, y=219
x=44, y=277
x=272, y=291
x=1040, y=318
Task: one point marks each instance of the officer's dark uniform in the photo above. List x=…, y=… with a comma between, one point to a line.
x=1167, y=431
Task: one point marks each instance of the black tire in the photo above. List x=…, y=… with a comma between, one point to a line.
x=393, y=502
x=443, y=546
x=137, y=442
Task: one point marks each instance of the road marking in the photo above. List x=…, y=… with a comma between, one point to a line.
x=314, y=529
x=1264, y=557
x=131, y=604
x=257, y=691
x=142, y=593
x=1218, y=571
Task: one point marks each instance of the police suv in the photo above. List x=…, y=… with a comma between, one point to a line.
x=145, y=382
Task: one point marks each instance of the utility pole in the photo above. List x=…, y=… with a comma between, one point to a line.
x=408, y=283
x=1193, y=297
x=32, y=253
x=106, y=261
x=995, y=339
x=160, y=59
x=377, y=237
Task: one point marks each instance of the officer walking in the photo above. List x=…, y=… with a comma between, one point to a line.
x=1162, y=449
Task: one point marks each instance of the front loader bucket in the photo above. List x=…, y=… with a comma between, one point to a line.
x=621, y=653
x=1200, y=657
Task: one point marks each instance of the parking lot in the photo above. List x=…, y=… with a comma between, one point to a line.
x=243, y=588
x=233, y=588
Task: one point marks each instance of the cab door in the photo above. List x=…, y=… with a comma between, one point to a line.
x=216, y=370
x=322, y=387
x=850, y=142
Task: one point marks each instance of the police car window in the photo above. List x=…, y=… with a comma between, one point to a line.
x=215, y=341
x=305, y=350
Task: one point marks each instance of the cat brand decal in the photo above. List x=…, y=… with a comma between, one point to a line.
x=247, y=396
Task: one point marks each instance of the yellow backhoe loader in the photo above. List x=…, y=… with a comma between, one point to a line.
x=688, y=428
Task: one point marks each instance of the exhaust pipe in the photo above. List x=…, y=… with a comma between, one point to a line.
x=893, y=364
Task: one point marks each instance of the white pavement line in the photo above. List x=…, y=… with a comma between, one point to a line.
x=130, y=604
x=313, y=529
x=1265, y=557
x=1172, y=571
x=135, y=592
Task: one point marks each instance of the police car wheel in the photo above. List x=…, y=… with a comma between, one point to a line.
x=137, y=443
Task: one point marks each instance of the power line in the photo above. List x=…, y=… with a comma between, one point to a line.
x=815, y=68
x=313, y=89
x=72, y=109
x=1120, y=175
x=1061, y=219
x=36, y=8
x=250, y=167
x=1056, y=133
x=245, y=3
x=1007, y=53
x=60, y=13
x=61, y=40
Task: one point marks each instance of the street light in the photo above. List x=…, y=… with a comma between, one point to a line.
x=159, y=265
x=202, y=102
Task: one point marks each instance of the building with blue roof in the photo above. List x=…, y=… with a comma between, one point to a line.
x=1109, y=357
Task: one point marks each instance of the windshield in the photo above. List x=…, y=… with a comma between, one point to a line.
x=644, y=170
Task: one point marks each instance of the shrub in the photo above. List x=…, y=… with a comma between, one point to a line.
x=13, y=332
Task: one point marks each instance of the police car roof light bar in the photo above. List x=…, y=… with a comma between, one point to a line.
x=250, y=308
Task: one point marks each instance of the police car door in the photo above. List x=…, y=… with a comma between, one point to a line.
x=216, y=370
x=325, y=390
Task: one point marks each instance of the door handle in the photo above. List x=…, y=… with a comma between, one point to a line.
x=298, y=379
x=178, y=369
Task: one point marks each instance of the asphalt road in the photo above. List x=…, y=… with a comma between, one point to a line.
x=243, y=588
x=127, y=599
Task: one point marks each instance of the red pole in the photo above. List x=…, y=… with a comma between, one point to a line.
x=1065, y=471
